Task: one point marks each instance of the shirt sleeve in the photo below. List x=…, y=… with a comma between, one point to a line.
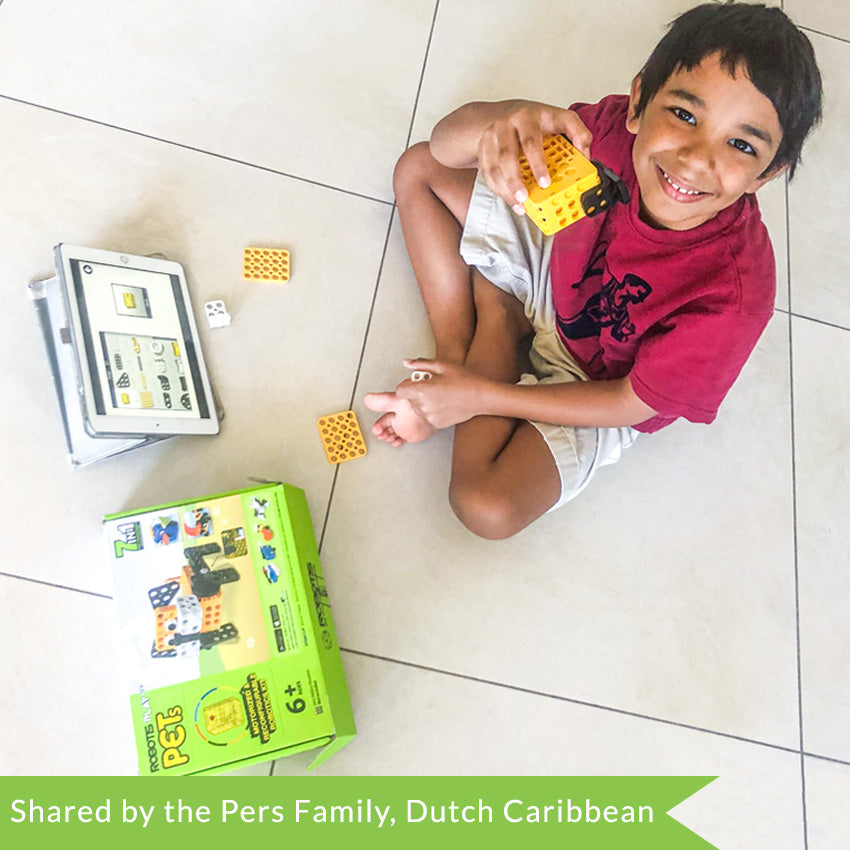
x=603, y=116
x=687, y=364
x=606, y=120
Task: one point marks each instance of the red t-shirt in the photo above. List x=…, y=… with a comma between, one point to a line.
x=678, y=311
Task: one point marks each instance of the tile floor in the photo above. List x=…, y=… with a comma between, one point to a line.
x=687, y=615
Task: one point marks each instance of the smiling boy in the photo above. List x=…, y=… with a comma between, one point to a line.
x=634, y=318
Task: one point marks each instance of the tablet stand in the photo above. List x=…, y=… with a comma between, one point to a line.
x=82, y=447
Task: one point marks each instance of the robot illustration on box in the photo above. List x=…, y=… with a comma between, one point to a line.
x=188, y=609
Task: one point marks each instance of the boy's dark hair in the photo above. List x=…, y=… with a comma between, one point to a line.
x=762, y=40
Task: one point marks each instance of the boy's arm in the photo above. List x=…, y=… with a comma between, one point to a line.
x=455, y=394
x=491, y=136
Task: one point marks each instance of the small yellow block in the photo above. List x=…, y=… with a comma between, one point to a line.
x=265, y=264
x=558, y=205
x=341, y=436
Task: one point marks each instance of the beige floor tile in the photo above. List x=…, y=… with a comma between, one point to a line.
x=827, y=818
x=825, y=16
x=817, y=203
x=62, y=710
x=322, y=90
x=416, y=722
x=772, y=202
x=484, y=50
x=821, y=424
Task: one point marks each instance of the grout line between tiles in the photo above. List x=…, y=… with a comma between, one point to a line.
x=826, y=34
x=794, y=516
x=830, y=759
x=574, y=701
x=186, y=147
x=392, y=214
x=787, y=186
x=53, y=584
x=818, y=321
x=810, y=318
x=380, y=268
x=372, y=308
x=422, y=75
x=599, y=706
x=359, y=366
x=328, y=508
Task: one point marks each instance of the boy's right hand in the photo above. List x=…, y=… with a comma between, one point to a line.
x=519, y=132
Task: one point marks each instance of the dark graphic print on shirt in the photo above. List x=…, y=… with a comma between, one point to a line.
x=607, y=307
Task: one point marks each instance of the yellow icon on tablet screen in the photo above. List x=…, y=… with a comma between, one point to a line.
x=129, y=301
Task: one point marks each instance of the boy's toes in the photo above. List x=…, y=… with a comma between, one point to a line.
x=384, y=431
x=382, y=427
x=395, y=441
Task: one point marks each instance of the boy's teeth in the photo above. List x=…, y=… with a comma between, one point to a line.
x=679, y=188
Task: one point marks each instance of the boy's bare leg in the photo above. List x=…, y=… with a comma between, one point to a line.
x=503, y=473
x=432, y=203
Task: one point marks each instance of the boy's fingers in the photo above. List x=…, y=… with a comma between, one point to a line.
x=532, y=147
x=499, y=162
x=505, y=181
x=515, y=191
x=575, y=130
x=424, y=365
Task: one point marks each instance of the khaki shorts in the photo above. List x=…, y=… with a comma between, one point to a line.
x=513, y=254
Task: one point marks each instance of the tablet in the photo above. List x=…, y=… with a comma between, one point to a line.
x=139, y=361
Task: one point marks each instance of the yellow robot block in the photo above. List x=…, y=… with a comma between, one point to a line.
x=265, y=264
x=577, y=189
x=341, y=436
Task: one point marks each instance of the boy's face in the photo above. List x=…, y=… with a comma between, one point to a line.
x=701, y=142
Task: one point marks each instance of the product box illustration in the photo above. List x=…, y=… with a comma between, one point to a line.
x=227, y=634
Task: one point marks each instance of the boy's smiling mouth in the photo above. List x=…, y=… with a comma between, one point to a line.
x=676, y=188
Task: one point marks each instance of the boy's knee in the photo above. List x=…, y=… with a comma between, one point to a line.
x=413, y=169
x=486, y=512
x=501, y=312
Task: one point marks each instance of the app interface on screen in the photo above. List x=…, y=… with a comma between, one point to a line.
x=145, y=372
x=132, y=323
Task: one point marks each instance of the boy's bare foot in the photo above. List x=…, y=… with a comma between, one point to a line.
x=400, y=423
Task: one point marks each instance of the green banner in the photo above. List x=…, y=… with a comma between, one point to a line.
x=583, y=812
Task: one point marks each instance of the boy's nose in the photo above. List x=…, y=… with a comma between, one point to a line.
x=700, y=154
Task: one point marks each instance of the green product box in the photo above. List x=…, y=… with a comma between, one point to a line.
x=227, y=631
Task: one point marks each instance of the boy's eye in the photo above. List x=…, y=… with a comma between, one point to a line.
x=683, y=114
x=744, y=147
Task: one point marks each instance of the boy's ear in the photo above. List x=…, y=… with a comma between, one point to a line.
x=632, y=119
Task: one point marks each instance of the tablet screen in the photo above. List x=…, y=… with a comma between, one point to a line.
x=138, y=342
